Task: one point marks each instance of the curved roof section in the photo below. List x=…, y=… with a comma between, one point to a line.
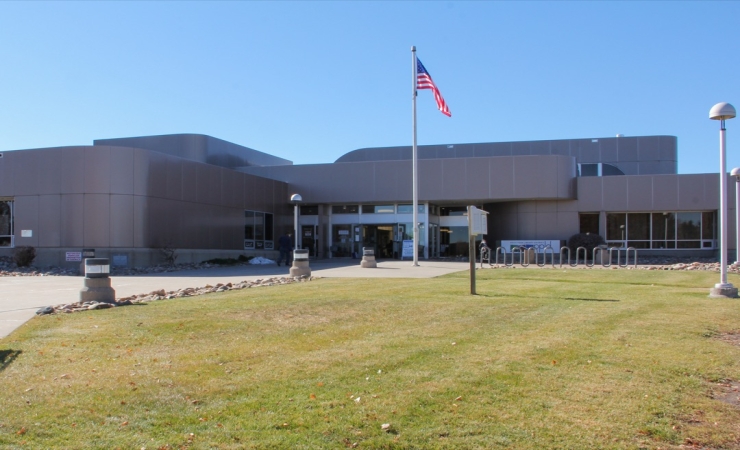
x=200, y=148
x=638, y=155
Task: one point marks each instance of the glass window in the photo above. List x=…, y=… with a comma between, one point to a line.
x=341, y=240
x=588, y=170
x=259, y=226
x=453, y=211
x=405, y=209
x=664, y=230
x=589, y=223
x=258, y=230
x=309, y=210
x=708, y=226
x=6, y=223
x=453, y=241
x=268, y=227
x=638, y=226
x=248, y=224
x=609, y=170
x=345, y=209
x=615, y=226
x=689, y=226
x=378, y=209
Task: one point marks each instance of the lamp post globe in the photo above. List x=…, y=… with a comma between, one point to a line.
x=723, y=289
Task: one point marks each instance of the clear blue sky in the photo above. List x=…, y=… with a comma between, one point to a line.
x=310, y=81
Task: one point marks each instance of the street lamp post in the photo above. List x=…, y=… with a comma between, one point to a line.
x=736, y=175
x=295, y=199
x=723, y=289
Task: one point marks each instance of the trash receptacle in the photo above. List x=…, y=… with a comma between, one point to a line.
x=97, y=282
x=368, y=258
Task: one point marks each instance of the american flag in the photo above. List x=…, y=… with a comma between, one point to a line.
x=424, y=81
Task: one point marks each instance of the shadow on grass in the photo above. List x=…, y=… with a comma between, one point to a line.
x=552, y=298
x=7, y=357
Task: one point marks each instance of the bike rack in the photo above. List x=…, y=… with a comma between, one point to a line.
x=601, y=255
x=544, y=256
x=485, y=254
x=524, y=259
x=585, y=256
x=561, y=256
x=503, y=251
x=626, y=256
x=514, y=251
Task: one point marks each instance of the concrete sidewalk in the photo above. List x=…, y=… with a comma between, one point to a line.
x=21, y=297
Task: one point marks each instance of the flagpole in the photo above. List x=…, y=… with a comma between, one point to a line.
x=415, y=202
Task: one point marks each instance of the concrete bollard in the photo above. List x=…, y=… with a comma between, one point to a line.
x=300, y=264
x=97, y=282
x=368, y=258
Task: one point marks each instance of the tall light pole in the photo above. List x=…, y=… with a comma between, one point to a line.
x=721, y=112
x=736, y=174
x=295, y=199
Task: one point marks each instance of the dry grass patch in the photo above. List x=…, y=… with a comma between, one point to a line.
x=540, y=359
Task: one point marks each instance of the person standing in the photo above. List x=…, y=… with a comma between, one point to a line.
x=285, y=245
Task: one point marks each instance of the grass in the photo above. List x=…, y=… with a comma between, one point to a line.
x=539, y=359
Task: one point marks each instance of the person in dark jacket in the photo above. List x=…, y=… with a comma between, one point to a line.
x=285, y=245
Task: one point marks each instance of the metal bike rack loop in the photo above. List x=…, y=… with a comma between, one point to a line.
x=503, y=251
x=561, y=256
x=544, y=256
x=585, y=255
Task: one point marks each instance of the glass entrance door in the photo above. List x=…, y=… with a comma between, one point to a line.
x=433, y=240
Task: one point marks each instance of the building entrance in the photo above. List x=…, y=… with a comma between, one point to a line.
x=381, y=239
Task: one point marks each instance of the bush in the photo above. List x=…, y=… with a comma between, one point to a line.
x=587, y=240
x=24, y=256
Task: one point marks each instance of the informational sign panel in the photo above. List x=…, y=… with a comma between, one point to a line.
x=538, y=244
x=73, y=256
x=478, y=221
x=407, y=251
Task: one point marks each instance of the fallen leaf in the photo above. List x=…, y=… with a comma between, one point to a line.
x=22, y=431
x=312, y=396
x=124, y=423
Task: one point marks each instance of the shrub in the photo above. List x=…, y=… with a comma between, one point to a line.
x=587, y=240
x=24, y=256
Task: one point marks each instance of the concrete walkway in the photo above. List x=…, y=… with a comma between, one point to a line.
x=21, y=297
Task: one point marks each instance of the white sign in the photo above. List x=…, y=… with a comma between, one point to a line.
x=479, y=221
x=538, y=244
x=73, y=256
x=407, y=251
x=26, y=233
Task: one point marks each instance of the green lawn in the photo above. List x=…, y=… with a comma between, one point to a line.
x=539, y=359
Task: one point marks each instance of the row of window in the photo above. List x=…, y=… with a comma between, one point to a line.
x=313, y=210
x=258, y=230
x=663, y=230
